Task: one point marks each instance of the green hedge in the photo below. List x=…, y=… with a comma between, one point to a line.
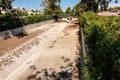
x=9, y=22
x=36, y=18
x=104, y=62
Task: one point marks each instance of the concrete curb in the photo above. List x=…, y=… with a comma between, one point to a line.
x=24, y=29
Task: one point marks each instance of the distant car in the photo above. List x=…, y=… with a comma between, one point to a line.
x=119, y=12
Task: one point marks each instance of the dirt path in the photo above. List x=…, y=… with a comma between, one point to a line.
x=51, y=55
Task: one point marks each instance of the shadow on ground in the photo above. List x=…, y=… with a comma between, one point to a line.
x=21, y=35
x=68, y=72
x=71, y=71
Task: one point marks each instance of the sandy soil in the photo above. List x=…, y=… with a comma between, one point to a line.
x=51, y=55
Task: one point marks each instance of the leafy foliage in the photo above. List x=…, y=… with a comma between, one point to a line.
x=104, y=62
x=36, y=18
x=51, y=6
x=8, y=21
x=114, y=8
x=92, y=5
x=6, y=3
x=68, y=10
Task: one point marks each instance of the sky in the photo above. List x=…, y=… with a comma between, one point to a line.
x=112, y=4
x=35, y=4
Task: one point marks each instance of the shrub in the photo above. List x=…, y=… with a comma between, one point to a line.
x=104, y=61
x=36, y=18
x=8, y=21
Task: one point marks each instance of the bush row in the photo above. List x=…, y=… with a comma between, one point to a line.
x=102, y=35
x=9, y=22
x=36, y=18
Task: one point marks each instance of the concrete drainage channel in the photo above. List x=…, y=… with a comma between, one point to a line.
x=59, y=61
x=10, y=60
x=22, y=29
x=58, y=43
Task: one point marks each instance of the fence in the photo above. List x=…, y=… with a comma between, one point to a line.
x=84, y=69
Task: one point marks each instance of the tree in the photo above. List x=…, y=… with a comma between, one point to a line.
x=92, y=5
x=79, y=7
x=51, y=6
x=23, y=9
x=68, y=10
x=104, y=4
x=6, y=3
x=113, y=8
x=32, y=10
